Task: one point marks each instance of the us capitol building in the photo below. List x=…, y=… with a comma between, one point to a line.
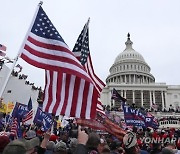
x=131, y=76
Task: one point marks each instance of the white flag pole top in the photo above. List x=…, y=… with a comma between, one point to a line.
x=16, y=59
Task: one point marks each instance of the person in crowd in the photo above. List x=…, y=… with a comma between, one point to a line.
x=114, y=146
x=82, y=140
x=50, y=147
x=60, y=148
x=92, y=143
x=72, y=145
x=22, y=146
x=4, y=140
x=167, y=151
x=156, y=148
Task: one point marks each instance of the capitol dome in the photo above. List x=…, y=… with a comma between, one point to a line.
x=130, y=67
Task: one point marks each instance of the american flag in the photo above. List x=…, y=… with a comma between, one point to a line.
x=116, y=96
x=82, y=53
x=29, y=115
x=2, y=47
x=68, y=86
x=14, y=128
x=103, y=123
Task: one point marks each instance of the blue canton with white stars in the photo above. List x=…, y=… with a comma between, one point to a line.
x=82, y=46
x=43, y=27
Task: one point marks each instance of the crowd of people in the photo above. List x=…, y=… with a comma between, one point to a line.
x=74, y=139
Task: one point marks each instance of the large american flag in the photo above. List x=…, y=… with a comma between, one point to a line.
x=82, y=52
x=29, y=115
x=68, y=86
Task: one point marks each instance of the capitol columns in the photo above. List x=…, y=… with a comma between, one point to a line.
x=124, y=93
x=162, y=97
x=154, y=100
x=150, y=99
x=134, y=78
x=142, y=98
x=110, y=100
x=133, y=97
x=165, y=95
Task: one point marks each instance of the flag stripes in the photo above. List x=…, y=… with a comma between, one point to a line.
x=28, y=117
x=82, y=53
x=65, y=76
x=69, y=95
x=99, y=84
x=29, y=114
x=52, y=57
x=14, y=127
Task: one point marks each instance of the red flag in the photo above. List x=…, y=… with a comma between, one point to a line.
x=45, y=48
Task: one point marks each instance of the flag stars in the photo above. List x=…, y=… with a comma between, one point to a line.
x=44, y=28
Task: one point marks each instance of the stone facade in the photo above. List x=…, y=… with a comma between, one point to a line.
x=17, y=89
x=130, y=76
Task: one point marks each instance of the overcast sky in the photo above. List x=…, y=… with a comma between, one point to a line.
x=154, y=26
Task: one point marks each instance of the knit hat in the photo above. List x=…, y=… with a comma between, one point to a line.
x=60, y=146
x=73, y=143
x=21, y=146
x=50, y=145
x=30, y=134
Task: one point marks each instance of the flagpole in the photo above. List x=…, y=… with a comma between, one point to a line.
x=16, y=59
